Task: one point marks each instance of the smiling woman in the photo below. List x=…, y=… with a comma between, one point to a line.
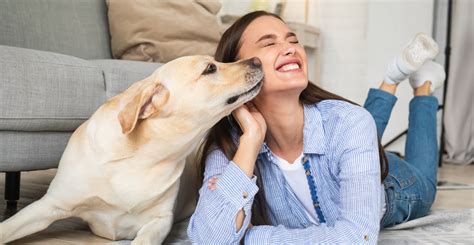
x=298, y=164
x=266, y=39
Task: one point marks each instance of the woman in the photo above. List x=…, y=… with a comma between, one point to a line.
x=301, y=165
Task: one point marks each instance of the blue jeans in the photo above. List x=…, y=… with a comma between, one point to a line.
x=410, y=186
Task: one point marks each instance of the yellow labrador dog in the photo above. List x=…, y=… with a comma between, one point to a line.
x=120, y=171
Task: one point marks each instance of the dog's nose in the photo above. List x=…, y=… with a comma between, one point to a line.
x=255, y=62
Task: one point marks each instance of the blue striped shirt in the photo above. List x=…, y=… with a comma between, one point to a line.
x=340, y=140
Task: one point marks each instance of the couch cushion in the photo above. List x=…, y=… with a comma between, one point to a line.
x=120, y=74
x=77, y=28
x=162, y=30
x=42, y=91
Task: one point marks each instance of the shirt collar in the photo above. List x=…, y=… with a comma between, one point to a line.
x=314, y=141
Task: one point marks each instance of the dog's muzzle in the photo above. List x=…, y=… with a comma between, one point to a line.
x=253, y=76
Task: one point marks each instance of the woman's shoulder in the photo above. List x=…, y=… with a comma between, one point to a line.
x=332, y=109
x=344, y=122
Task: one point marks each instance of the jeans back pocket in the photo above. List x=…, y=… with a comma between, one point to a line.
x=401, y=171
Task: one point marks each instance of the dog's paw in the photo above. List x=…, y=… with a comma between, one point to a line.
x=121, y=242
x=141, y=241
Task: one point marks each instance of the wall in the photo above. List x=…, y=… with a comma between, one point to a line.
x=359, y=38
x=391, y=24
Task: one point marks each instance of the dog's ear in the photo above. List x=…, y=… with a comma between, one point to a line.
x=144, y=104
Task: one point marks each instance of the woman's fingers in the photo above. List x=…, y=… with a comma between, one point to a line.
x=257, y=116
x=243, y=117
x=251, y=122
x=239, y=114
x=211, y=183
x=251, y=106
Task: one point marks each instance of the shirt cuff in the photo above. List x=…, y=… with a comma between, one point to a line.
x=236, y=186
x=258, y=235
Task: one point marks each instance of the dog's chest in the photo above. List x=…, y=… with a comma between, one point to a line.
x=139, y=188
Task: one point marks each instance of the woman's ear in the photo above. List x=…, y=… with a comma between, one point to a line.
x=145, y=103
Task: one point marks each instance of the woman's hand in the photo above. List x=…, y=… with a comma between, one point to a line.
x=254, y=128
x=252, y=124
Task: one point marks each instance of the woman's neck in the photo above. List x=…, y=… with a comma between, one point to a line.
x=285, y=122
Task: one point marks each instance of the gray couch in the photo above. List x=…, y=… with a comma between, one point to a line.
x=56, y=69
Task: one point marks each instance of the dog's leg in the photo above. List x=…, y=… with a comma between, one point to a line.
x=155, y=231
x=35, y=217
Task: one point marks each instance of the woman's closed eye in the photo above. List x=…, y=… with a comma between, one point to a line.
x=273, y=43
x=268, y=44
x=293, y=39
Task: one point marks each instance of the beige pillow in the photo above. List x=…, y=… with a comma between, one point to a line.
x=162, y=30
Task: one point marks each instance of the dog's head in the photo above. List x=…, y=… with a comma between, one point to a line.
x=193, y=88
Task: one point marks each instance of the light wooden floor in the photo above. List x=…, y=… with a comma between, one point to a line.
x=456, y=198
x=74, y=231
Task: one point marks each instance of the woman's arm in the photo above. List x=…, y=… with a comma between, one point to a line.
x=254, y=128
x=360, y=189
x=214, y=220
x=223, y=213
x=245, y=158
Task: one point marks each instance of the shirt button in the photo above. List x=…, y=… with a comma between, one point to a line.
x=308, y=173
x=245, y=195
x=366, y=237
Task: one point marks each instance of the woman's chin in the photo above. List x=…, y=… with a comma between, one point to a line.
x=294, y=83
x=290, y=87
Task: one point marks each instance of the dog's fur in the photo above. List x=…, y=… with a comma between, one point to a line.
x=120, y=171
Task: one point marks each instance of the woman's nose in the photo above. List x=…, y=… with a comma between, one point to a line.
x=290, y=50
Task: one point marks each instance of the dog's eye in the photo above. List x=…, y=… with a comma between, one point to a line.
x=211, y=68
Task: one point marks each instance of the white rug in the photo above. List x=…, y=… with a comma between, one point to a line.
x=441, y=226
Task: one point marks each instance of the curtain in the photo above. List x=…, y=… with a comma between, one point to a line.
x=459, y=107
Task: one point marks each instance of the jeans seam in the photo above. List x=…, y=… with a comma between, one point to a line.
x=410, y=211
x=389, y=207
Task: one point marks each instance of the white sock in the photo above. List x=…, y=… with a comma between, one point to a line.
x=420, y=49
x=430, y=71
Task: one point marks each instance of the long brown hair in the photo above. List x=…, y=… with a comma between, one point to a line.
x=220, y=134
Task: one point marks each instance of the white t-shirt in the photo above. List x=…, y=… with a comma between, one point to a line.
x=296, y=177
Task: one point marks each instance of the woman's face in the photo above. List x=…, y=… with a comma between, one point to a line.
x=283, y=58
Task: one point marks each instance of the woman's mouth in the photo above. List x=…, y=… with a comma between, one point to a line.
x=289, y=67
x=288, y=64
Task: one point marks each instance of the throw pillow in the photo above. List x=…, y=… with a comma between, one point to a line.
x=162, y=30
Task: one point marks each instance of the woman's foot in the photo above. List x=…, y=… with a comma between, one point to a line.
x=430, y=71
x=423, y=90
x=387, y=87
x=420, y=49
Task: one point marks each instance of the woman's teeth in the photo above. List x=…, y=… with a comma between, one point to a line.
x=289, y=67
